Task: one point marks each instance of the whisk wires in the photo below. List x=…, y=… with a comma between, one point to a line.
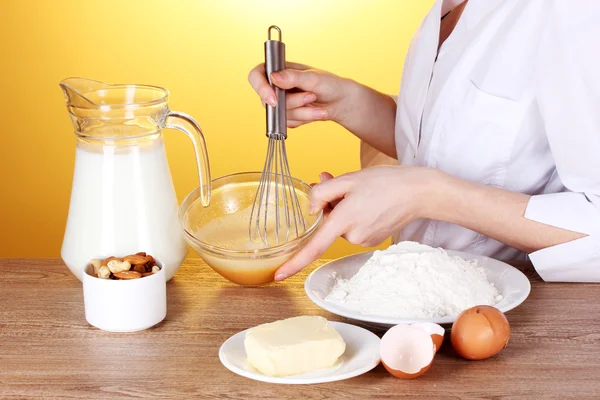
x=276, y=198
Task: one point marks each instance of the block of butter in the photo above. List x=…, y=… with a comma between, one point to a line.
x=293, y=346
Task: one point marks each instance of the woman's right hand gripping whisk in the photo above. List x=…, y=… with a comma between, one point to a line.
x=314, y=95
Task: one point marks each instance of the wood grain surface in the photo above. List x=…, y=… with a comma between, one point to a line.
x=47, y=349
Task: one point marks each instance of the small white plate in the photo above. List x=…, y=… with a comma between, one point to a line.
x=512, y=284
x=361, y=355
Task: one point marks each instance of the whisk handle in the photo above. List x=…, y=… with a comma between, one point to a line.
x=275, y=61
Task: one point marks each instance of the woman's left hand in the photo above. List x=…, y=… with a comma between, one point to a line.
x=364, y=207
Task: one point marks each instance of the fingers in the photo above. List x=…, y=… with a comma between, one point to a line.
x=325, y=176
x=295, y=124
x=333, y=228
x=296, y=100
x=307, y=114
x=292, y=78
x=261, y=86
x=328, y=192
x=259, y=83
x=298, y=66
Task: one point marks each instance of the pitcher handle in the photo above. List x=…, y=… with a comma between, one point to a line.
x=185, y=123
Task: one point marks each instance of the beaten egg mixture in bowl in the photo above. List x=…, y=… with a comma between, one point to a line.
x=220, y=232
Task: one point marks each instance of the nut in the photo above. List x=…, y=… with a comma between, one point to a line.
x=96, y=264
x=118, y=266
x=109, y=259
x=141, y=268
x=103, y=272
x=132, y=266
x=127, y=275
x=136, y=259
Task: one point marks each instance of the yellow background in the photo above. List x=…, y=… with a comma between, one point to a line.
x=201, y=51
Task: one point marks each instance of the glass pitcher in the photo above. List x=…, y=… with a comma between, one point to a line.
x=122, y=196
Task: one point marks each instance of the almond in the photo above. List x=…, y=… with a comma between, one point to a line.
x=135, y=259
x=106, y=261
x=141, y=253
x=148, y=266
x=127, y=275
x=141, y=268
x=147, y=274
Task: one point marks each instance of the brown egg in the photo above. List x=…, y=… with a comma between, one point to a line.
x=480, y=332
x=407, y=351
x=435, y=330
x=403, y=375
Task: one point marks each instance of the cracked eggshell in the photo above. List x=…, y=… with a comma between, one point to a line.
x=407, y=351
x=480, y=332
x=435, y=330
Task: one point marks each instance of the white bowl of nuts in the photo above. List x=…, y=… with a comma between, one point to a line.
x=114, y=286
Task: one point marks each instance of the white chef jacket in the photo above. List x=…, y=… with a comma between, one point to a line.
x=513, y=101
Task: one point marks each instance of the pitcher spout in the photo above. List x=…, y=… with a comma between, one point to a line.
x=114, y=111
x=89, y=93
x=77, y=90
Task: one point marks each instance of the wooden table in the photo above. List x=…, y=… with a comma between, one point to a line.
x=47, y=349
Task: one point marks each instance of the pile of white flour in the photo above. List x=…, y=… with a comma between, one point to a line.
x=410, y=280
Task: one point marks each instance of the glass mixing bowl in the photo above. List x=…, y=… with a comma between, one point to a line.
x=230, y=194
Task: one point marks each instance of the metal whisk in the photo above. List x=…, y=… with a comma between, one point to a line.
x=276, y=210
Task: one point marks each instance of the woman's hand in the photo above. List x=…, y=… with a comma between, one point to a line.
x=366, y=207
x=316, y=95
x=325, y=176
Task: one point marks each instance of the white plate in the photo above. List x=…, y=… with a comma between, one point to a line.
x=361, y=355
x=512, y=284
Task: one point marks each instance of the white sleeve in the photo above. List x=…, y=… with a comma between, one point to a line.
x=568, y=94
